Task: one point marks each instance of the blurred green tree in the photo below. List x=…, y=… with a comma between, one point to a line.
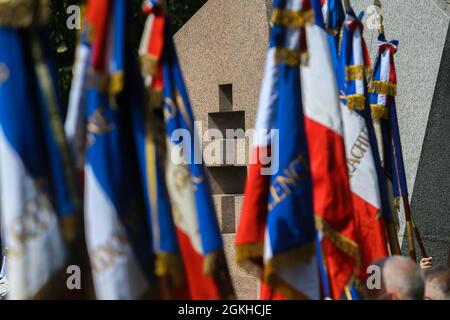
x=64, y=40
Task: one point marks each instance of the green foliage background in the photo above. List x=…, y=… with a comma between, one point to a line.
x=64, y=40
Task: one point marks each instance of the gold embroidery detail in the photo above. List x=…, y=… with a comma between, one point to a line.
x=172, y=107
x=106, y=255
x=381, y=87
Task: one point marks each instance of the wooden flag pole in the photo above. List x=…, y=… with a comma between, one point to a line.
x=423, y=251
x=409, y=229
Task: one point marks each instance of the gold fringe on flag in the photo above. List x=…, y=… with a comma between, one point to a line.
x=356, y=102
x=169, y=264
x=149, y=64
x=353, y=73
x=344, y=244
x=292, y=58
x=381, y=87
x=277, y=284
x=379, y=111
x=247, y=252
x=210, y=262
x=292, y=19
x=303, y=253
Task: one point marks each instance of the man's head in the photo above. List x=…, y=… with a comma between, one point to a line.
x=437, y=283
x=400, y=280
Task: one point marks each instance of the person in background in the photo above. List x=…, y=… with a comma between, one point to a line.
x=437, y=283
x=400, y=280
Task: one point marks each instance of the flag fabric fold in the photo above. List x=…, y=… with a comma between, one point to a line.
x=38, y=195
x=277, y=235
x=332, y=195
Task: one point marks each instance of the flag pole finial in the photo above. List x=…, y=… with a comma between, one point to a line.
x=380, y=18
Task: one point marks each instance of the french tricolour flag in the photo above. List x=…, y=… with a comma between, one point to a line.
x=37, y=193
x=276, y=235
x=199, y=237
x=324, y=128
x=368, y=191
x=115, y=218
